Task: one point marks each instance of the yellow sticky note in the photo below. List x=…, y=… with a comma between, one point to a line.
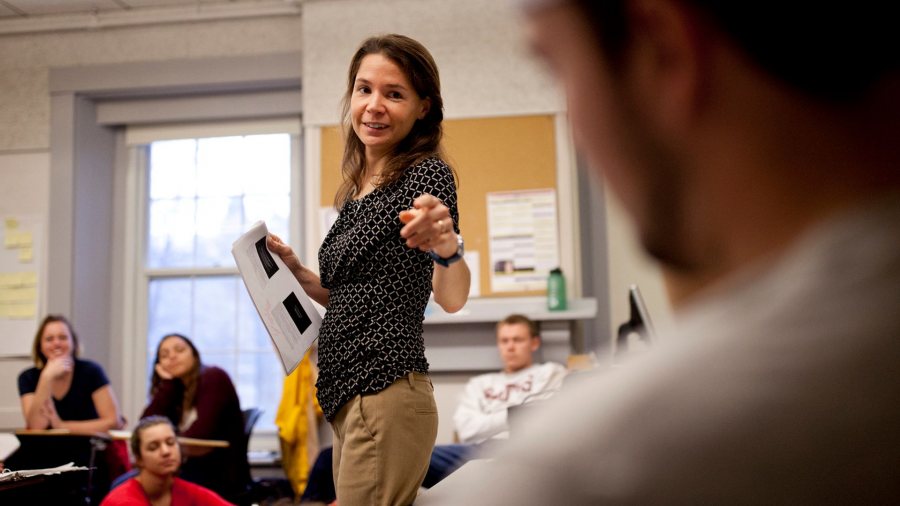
x=26, y=255
x=28, y=278
x=17, y=239
x=18, y=295
x=25, y=240
x=11, y=223
x=21, y=311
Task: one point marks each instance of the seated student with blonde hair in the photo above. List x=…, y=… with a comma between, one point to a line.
x=63, y=391
x=157, y=456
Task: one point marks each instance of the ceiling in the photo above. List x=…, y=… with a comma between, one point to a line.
x=25, y=16
x=31, y=8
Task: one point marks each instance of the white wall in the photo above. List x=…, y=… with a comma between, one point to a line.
x=24, y=181
x=485, y=71
x=25, y=61
x=629, y=264
x=478, y=46
x=25, y=125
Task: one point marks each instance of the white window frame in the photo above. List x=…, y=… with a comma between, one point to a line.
x=89, y=105
x=137, y=277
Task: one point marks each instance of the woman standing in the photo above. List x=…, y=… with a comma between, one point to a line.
x=202, y=403
x=394, y=242
x=157, y=455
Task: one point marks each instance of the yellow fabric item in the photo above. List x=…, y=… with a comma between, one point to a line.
x=297, y=421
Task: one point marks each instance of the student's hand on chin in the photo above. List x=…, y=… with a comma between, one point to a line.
x=57, y=367
x=162, y=372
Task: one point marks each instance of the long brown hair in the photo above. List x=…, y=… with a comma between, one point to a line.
x=424, y=139
x=40, y=360
x=190, y=383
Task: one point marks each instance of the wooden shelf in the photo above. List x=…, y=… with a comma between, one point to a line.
x=481, y=310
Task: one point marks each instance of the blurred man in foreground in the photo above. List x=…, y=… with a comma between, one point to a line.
x=754, y=145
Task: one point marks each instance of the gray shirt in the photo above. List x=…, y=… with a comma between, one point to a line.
x=782, y=386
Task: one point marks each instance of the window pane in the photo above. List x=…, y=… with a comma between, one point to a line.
x=169, y=310
x=268, y=171
x=220, y=161
x=275, y=211
x=172, y=171
x=171, y=236
x=203, y=194
x=215, y=313
x=219, y=223
x=226, y=362
x=252, y=334
x=262, y=377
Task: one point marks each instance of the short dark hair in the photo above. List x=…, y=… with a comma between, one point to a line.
x=832, y=51
x=143, y=424
x=40, y=360
x=519, y=319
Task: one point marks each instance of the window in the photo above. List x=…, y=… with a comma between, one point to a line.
x=199, y=194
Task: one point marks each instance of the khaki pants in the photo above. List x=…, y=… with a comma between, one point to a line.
x=383, y=442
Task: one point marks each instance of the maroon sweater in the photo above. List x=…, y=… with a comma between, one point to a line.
x=224, y=470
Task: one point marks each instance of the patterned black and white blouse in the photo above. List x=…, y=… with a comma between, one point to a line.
x=378, y=289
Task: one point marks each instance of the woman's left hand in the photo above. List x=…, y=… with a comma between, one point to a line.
x=49, y=411
x=429, y=227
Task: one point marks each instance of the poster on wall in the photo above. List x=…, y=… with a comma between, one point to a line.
x=20, y=267
x=523, y=236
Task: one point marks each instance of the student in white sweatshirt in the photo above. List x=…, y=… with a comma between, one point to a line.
x=482, y=412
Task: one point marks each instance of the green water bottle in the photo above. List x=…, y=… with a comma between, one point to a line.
x=556, y=291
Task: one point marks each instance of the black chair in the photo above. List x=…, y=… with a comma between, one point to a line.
x=251, y=416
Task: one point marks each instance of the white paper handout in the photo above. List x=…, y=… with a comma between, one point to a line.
x=290, y=317
x=9, y=443
x=11, y=475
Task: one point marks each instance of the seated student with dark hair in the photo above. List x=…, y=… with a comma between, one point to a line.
x=201, y=402
x=157, y=456
x=482, y=414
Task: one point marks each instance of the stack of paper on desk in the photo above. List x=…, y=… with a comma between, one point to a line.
x=10, y=475
x=290, y=317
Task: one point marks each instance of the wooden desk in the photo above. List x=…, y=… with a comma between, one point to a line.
x=63, y=489
x=41, y=449
x=125, y=435
x=122, y=435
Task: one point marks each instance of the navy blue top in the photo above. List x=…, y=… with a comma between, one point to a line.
x=77, y=404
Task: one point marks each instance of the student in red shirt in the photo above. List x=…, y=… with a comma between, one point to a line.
x=201, y=402
x=157, y=455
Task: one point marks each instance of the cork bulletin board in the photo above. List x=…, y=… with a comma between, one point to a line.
x=490, y=155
